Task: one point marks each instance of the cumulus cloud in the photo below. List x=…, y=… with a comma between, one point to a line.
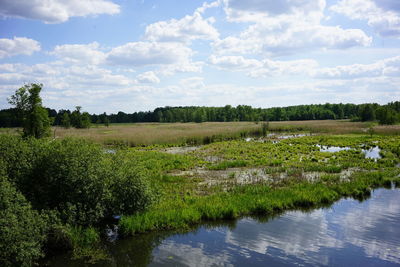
x=289, y=38
x=264, y=68
x=278, y=68
x=254, y=10
x=385, y=67
x=18, y=46
x=192, y=83
x=234, y=62
x=382, y=15
x=58, y=76
x=148, y=77
x=56, y=11
x=184, y=30
x=283, y=28
x=80, y=53
x=172, y=57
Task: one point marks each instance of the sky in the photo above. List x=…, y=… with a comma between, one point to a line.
x=136, y=55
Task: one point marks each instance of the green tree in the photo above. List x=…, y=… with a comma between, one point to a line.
x=367, y=112
x=22, y=230
x=66, y=122
x=106, y=121
x=387, y=115
x=35, y=118
x=85, y=120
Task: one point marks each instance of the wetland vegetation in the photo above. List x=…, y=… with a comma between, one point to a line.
x=150, y=177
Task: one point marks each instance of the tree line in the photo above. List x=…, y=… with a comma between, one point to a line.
x=384, y=114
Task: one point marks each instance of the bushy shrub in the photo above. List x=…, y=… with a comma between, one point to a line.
x=130, y=190
x=75, y=178
x=18, y=156
x=69, y=176
x=22, y=230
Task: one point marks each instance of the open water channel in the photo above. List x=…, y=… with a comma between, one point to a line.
x=348, y=233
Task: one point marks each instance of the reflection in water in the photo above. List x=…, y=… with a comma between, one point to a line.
x=348, y=233
x=372, y=153
x=332, y=149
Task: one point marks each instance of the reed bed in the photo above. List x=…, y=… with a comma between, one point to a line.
x=138, y=134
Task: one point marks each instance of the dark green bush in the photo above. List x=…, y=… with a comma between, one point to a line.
x=18, y=156
x=130, y=191
x=70, y=177
x=75, y=178
x=22, y=230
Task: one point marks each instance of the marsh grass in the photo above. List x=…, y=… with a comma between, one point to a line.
x=140, y=134
x=185, y=204
x=85, y=243
x=250, y=200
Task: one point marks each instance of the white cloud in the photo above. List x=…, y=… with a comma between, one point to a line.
x=171, y=57
x=18, y=46
x=192, y=83
x=284, y=27
x=184, y=30
x=234, y=62
x=56, y=11
x=279, y=68
x=80, y=53
x=382, y=15
x=206, y=6
x=148, y=77
x=264, y=68
x=254, y=10
x=288, y=34
x=385, y=67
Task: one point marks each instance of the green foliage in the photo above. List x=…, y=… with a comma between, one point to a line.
x=75, y=178
x=85, y=243
x=387, y=115
x=228, y=164
x=22, y=230
x=367, y=112
x=130, y=193
x=80, y=120
x=66, y=122
x=69, y=176
x=34, y=116
x=264, y=128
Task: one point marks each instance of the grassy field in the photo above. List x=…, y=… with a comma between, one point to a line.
x=229, y=179
x=137, y=134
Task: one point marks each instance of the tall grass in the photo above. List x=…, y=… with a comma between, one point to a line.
x=138, y=134
x=250, y=200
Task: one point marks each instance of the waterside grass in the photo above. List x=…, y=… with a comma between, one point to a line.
x=189, y=197
x=250, y=200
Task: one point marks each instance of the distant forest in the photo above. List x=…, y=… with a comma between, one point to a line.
x=385, y=114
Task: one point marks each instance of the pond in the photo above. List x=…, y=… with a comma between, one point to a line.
x=371, y=153
x=349, y=233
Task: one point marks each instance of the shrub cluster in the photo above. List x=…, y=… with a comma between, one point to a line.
x=71, y=178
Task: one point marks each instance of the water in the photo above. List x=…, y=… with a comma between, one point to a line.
x=349, y=233
x=372, y=153
x=332, y=149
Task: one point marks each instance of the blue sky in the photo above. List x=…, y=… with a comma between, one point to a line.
x=121, y=55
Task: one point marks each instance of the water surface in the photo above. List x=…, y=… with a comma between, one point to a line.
x=349, y=233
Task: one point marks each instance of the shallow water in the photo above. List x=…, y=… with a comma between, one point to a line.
x=349, y=233
x=372, y=153
x=332, y=149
